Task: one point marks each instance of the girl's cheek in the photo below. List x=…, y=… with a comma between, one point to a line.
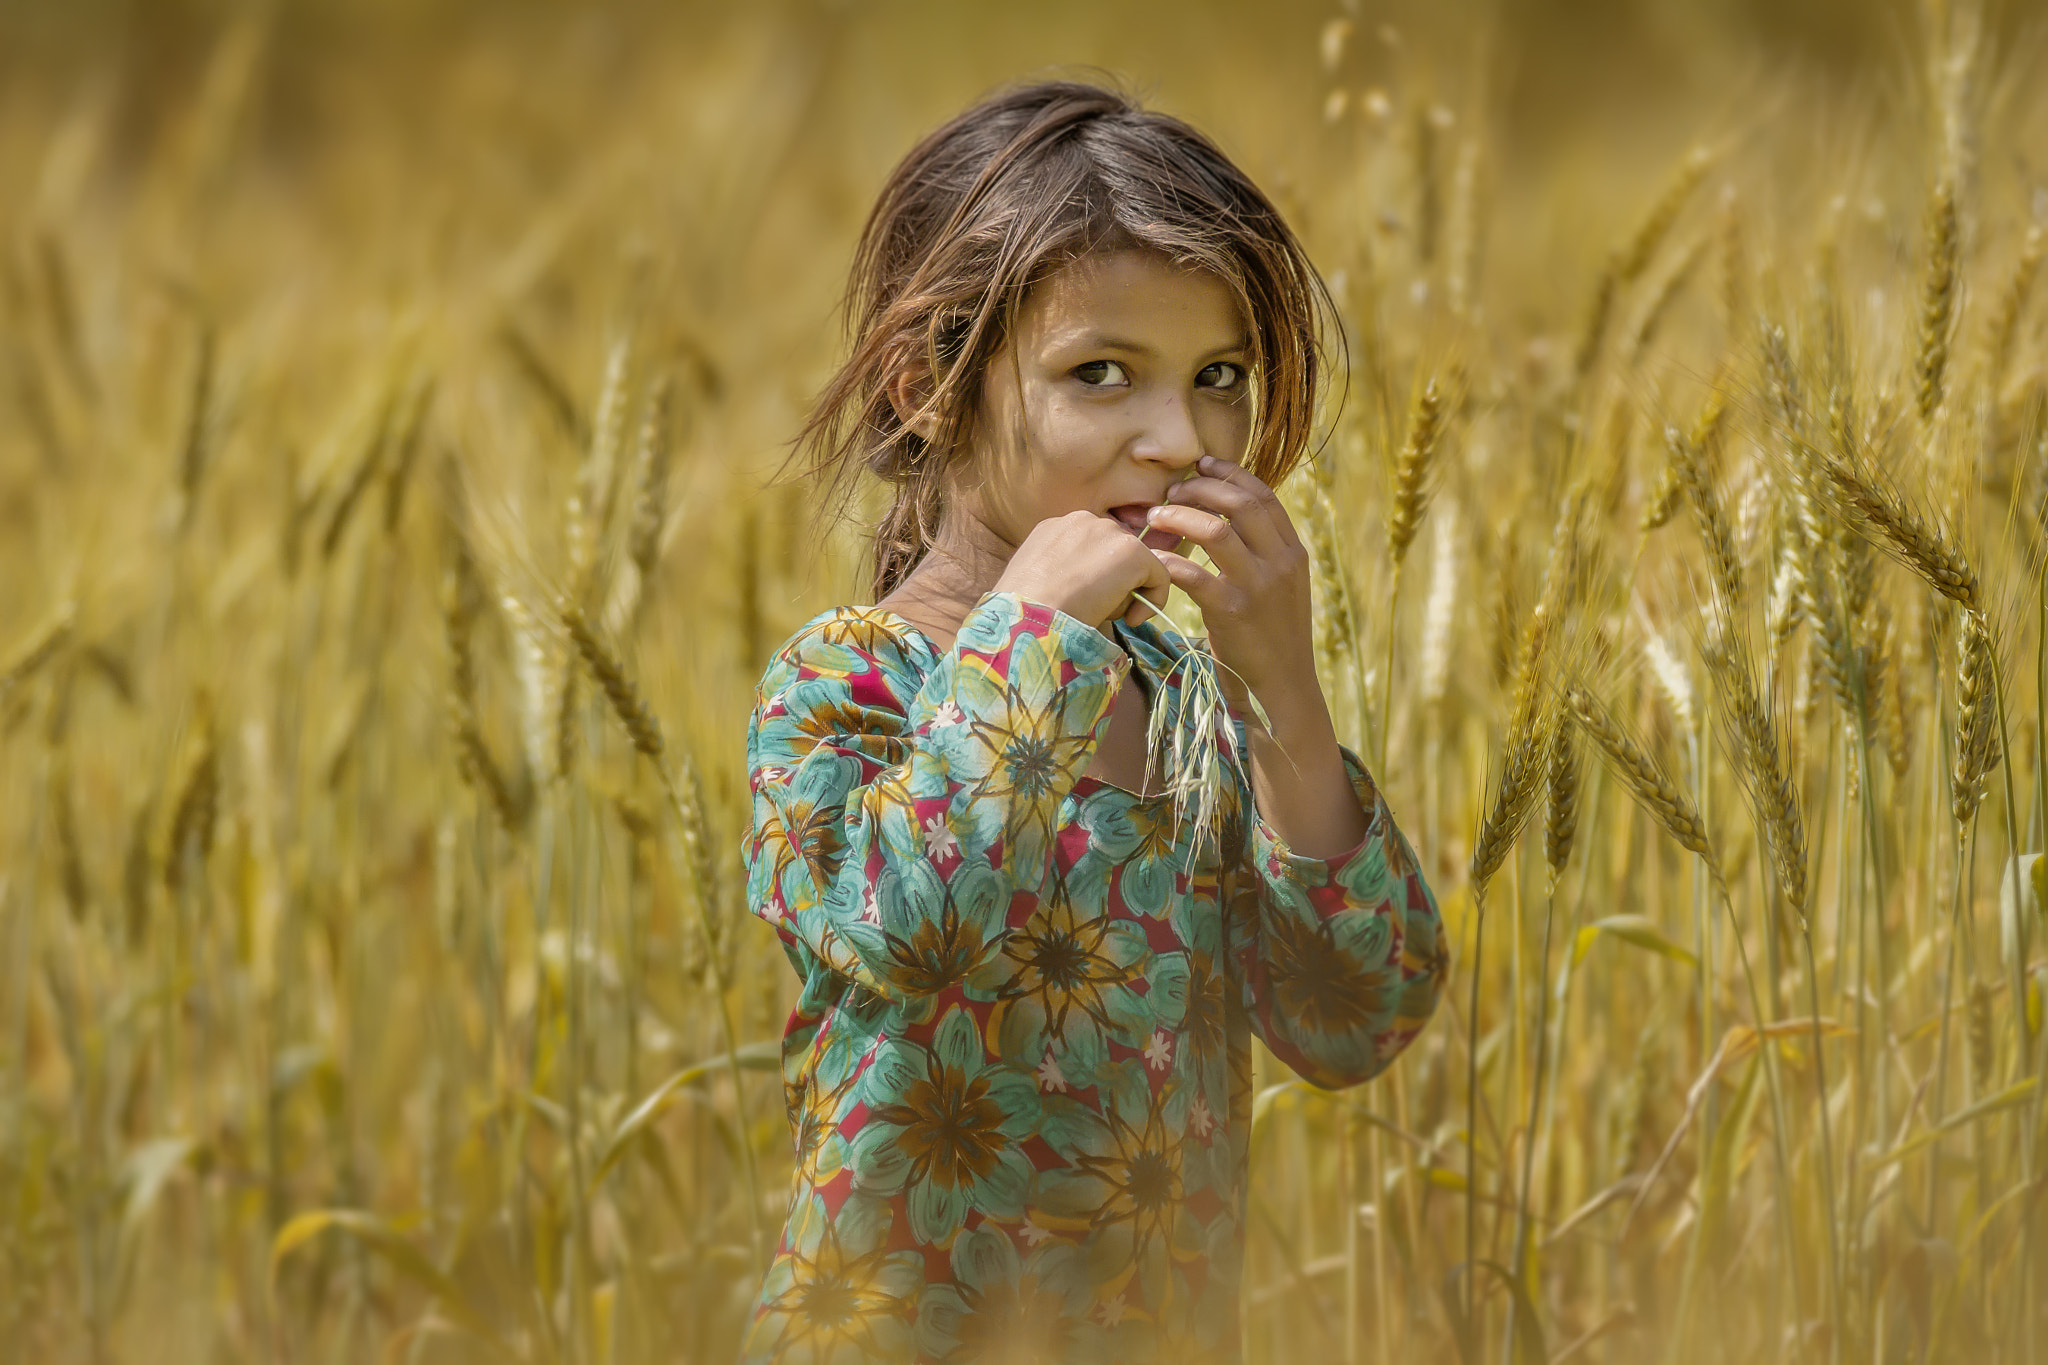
x=1071, y=430
x=1227, y=434
x=1060, y=425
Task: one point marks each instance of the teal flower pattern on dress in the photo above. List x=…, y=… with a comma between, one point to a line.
x=943, y=1127
x=1018, y=1072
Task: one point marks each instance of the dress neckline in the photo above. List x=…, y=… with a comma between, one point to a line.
x=1157, y=642
x=927, y=641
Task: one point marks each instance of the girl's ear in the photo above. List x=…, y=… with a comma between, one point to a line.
x=910, y=388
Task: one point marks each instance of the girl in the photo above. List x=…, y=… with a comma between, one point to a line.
x=1018, y=1072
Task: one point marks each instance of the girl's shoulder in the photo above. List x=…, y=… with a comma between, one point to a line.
x=850, y=642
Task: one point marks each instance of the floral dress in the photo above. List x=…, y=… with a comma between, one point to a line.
x=1018, y=1073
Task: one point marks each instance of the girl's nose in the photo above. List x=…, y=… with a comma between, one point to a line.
x=1169, y=436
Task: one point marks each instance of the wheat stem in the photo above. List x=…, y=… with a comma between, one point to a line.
x=640, y=726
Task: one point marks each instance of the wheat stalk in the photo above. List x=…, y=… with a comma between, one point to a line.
x=194, y=443
x=1428, y=122
x=1634, y=257
x=687, y=800
x=1729, y=259
x=1466, y=234
x=193, y=815
x=2012, y=304
x=1438, y=613
x=42, y=645
x=1599, y=311
x=542, y=378
x=71, y=878
x=406, y=454
x=1660, y=304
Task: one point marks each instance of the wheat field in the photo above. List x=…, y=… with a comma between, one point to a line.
x=389, y=398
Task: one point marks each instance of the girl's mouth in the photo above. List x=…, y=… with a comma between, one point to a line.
x=1132, y=515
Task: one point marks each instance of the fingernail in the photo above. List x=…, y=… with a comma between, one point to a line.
x=1152, y=513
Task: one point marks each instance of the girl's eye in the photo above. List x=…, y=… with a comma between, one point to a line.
x=1100, y=373
x=1222, y=375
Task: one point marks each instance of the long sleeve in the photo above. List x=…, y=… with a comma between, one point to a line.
x=898, y=837
x=1342, y=958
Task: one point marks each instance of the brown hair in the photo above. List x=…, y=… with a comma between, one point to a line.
x=986, y=207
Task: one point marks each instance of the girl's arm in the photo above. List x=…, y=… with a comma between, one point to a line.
x=1342, y=956
x=898, y=838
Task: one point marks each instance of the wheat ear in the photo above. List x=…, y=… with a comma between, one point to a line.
x=1521, y=777
x=1204, y=751
x=650, y=484
x=461, y=599
x=1688, y=464
x=1937, y=299
x=1879, y=513
x=1645, y=778
x=1976, y=718
x=1411, y=471
x=626, y=702
x=1759, y=755
x=1561, y=814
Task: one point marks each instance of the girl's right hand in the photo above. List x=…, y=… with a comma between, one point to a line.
x=1087, y=565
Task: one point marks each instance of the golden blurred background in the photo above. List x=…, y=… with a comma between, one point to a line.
x=364, y=995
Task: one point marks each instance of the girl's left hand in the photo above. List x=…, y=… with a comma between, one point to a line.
x=1258, y=610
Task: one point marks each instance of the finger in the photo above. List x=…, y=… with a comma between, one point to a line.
x=1246, y=499
x=1234, y=505
x=1145, y=604
x=1253, y=506
x=1226, y=548
x=1207, y=589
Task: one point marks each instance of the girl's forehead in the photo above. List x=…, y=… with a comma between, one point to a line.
x=1134, y=289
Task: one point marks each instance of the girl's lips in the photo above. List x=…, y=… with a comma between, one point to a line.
x=1132, y=515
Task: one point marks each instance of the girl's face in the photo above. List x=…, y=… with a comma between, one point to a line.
x=1123, y=371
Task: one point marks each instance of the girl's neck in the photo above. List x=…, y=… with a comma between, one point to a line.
x=958, y=571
